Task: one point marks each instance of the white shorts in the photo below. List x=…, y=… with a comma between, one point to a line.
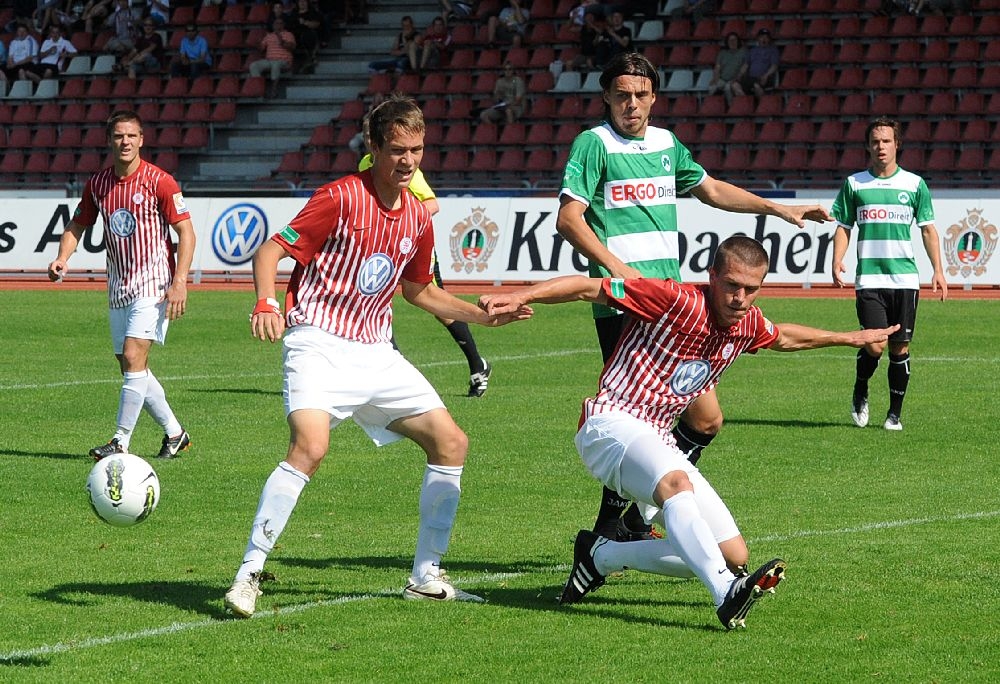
x=627, y=455
x=143, y=319
x=371, y=383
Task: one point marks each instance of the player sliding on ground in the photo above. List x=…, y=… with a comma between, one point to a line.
x=677, y=341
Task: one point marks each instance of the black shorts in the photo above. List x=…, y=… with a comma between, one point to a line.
x=609, y=330
x=880, y=308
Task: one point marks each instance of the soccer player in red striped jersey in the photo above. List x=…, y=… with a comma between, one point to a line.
x=678, y=339
x=354, y=242
x=139, y=204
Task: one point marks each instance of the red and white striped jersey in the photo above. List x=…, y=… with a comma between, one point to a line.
x=352, y=251
x=671, y=350
x=138, y=211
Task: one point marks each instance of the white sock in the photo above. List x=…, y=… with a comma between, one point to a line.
x=439, y=496
x=159, y=409
x=130, y=402
x=657, y=556
x=695, y=543
x=277, y=501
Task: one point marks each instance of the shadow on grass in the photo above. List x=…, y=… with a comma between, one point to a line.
x=83, y=458
x=205, y=599
x=454, y=566
x=236, y=390
x=786, y=423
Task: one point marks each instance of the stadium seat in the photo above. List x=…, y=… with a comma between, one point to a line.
x=917, y=131
x=94, y=136
x=489, y=59
x=744, y=131
x=408, y=84
x=906, y=78
x=20, y=90
x=103, y=64
x=25, y=114
x=12, y=162
x=224, y=112
x=962, y=77
x=319, y=163
x=198, y=112
x=942, y=103
x=459, y=131
x=540, y=82
x=434, y=108
x=511, y=160
x=73, y=89
x=819, y=29
x=821, y=79
x=850, y=78
x=830, y=131
x=794, y=79
x=852, y=52
x=570, y=107
x=798, y=105
x=148, y=111
x=431, y=160
x=934, y=25
x=230, y=63
x=74, y=113
x=912, y=104
x=485, y=134
x=977, y=131
x=19, y=136
x=825, y=158
x=543, y=33
x=49, y=113
x=234, y=14
x=484, y=84
x=736, y=160
x=935, y=51
x=456, y=159
x=99, y=89
x=207, y=15
x=971, y=104
x=907, y=51
x=90, y=162
x=37, y=163
x=770, y=105
x=541, y=133
x=568, y=82
x=878, y=52
x=63, y=163
x=713, y=106
x=483, y=159
x=948, y=131
x=852, y=160
x=884, y=104
x=227, y=87
x=966, y=51
x=990, y=79
x=940, y=160
x=541, y=58
x=170, y=136
x=184, y=14
x=258, y=13
x=125, y=88
x=801, y=132
x=827, y=106
x=767, y=159
x=292, y=163
x=176, y=86
x=44, y=136
x=856, y=131
x=772, y=132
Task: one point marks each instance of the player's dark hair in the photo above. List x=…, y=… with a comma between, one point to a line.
x=397, y=111
x=629, y=64
x=740, y=248
x=120, y=115
x=885, y=122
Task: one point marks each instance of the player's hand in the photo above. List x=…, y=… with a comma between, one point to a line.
x=838, y=269
x=938, y=282
x=176, y=298
x=505, y=305
x=800, y=213
x=626, y=272
x=57, y=269
x=862, y=338
x=266, y=322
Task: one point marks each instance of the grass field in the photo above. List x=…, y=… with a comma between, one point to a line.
x=891, y=538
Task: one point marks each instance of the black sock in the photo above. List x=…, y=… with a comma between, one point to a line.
x=690, y=441
x=612, y=505
x=393, y=340
x=463, y=336
x=866, y=366
x=634, y=521
x=899, y=378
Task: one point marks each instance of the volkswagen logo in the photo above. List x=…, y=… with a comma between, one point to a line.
x=238, y=233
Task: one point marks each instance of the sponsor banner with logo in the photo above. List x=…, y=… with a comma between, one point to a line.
x=511, y=239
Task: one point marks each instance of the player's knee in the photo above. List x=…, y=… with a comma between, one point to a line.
x=450, y=448
x=672, y=483
x=707, y=423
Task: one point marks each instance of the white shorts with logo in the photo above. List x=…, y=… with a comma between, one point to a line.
x=627, y=455
x=143, y=319
x=371, y=383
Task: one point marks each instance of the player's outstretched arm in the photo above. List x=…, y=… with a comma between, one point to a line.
x=722, y=195
x=793, y=337
x=442, y=304
x=266, y=322
x=553, y=291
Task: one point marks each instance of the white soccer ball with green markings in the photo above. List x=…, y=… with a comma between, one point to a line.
x=124, y=489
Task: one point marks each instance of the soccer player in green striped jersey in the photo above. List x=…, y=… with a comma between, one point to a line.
x=884, y=202
x=618, y=208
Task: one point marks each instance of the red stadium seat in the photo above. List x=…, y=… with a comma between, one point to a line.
x=227, y=87
x=570, y=107
x=489, y=59
x=906, y=78
x=148, y=111
x=907, y=51
x=44, y=137
x=125, y=88
x=408, y=83
x=224, y=112
x=63, y=163
x=912, y=104
x=90, y=162
x=772, y=132
x=855, y=104
x=483, y=159
x=94, y=136
x=485, y=134
x=850, y=78
x=70, y=138
x=258, y=13
x=971, y=104
x=743, y=132
x=770, y=105
x=948, y=131
x=942, y=104
x=827, y=105
x=12, y=162
x=856, y=131
x=510, y=160
x=767, y=159
x=801, y=132
x=852, y=159
x=253, y=87
x=234, y=14
x=459, y=132
x=208, y=14
x=170, y=136
x=230, y=63
x=456, y=159
x=917, y=131
x=966, y=51
x=292, y=163
x=851, y=53
x=884, y=104
x=825, y=158
x=940, y=159
x=540, y=134
x=319, y=163
x=198, y=112
x=195, y=137
x=830, y=131
x=566, y=133
x=19, y=136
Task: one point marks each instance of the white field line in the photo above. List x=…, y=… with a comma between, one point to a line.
x=115, y=380
x=175, y=627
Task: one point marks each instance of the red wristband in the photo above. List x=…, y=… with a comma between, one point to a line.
x=267, y=305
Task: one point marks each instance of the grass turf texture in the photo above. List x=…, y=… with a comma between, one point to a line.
x=890, y=538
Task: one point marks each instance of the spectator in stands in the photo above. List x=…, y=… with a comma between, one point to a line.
x=278, y=11
x=456, y=9
x=760, y=73
x=278, y=47
x=305, y=22
x=695, y=10
x=44, y=14
x=193, y=56
x=400, y=58
x=578, y=15
x=3, y=64
x=22, y=54
x=159, y=12
x=123, y=42
x=509, y=26
x=54, y=51
x=508, y=94
x=147, y=55
x=94, y=13
x=432, y=45
x=729, y=68
x=615, y=39
x=591, y=36
x=24, y=12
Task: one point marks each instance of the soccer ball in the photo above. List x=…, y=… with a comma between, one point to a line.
x=123, y=489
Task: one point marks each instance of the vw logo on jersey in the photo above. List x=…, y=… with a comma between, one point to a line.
x=375, y=274
x=903, y=198
x=122, y=223
x=238, y=232
x=690, y=377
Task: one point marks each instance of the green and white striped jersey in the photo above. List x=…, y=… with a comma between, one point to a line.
x=884, y=210
x=630, y=187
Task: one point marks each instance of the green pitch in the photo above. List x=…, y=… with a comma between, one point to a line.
x=891, y=538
